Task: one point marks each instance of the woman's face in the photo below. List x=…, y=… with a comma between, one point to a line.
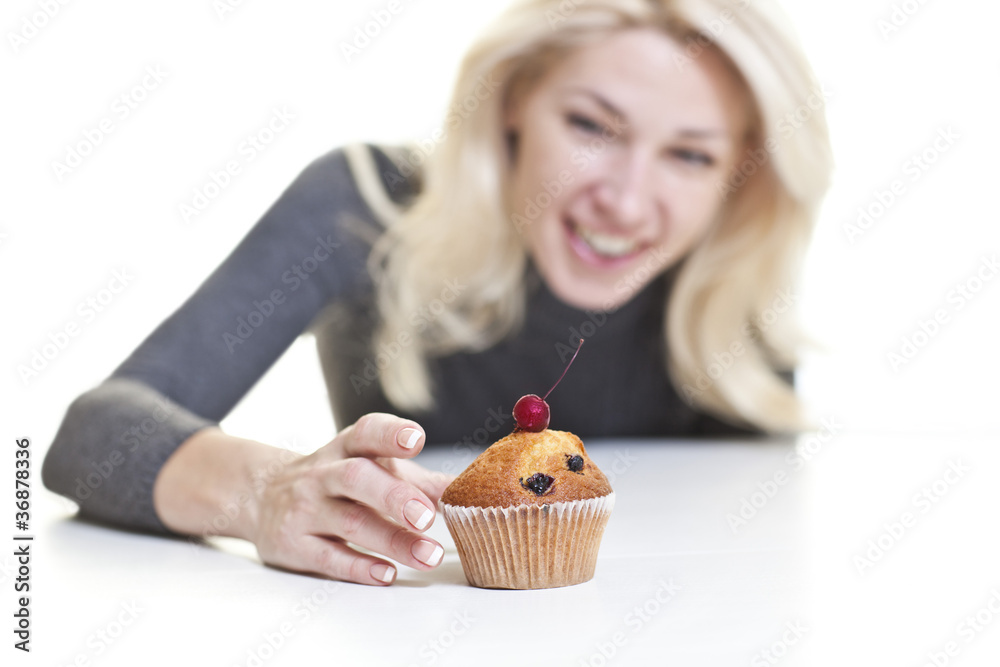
x=621, y=149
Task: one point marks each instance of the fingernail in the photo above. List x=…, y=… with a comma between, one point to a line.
x=383, y=573
x=427, y=553
x=417, y=514
x=408, y=438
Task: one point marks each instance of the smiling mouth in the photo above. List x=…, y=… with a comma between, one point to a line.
x=604, y=246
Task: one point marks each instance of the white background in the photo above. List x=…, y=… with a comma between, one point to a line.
x=62, y=241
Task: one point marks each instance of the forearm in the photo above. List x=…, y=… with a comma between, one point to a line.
x=212, y=483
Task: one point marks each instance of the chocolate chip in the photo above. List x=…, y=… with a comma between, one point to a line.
x=538, y=483
x=574, y=463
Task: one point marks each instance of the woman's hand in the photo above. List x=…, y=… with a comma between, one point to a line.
x=358, y=489
x=302, y=511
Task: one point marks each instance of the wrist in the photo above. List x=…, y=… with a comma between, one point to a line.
x=213, y=483
x=259, y=470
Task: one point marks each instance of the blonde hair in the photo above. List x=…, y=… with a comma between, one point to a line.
x=457, y=240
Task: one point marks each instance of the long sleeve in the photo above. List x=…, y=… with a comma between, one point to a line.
x=192, y=370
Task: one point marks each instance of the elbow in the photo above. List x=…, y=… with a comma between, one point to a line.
x=110, y=447
x=63, y=463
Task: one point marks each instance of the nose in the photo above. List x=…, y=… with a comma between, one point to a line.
x=623, y=196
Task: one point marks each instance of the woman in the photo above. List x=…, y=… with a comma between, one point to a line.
x=640, y=172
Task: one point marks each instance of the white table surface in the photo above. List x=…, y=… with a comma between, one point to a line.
x=674, y=585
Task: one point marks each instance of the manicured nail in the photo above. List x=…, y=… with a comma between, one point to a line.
x=427, y=553
x=417, y=514
x=383, y=572
x=408, y=438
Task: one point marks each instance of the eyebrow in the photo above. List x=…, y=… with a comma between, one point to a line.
x=600, y=99
x=687, y=133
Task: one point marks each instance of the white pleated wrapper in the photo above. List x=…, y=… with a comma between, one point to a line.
x=529, y=546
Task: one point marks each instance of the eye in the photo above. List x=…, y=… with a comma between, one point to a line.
x=538, y=483
x=583, y=123
x=694, y=157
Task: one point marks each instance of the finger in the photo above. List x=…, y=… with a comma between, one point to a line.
x=336, y=560
x=379, y=434
x=367, y=482
x=431, y=482
x=364, y=527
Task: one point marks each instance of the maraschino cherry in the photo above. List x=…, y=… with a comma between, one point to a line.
x=531, y=412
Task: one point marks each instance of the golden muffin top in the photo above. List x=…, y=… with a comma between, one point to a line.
x=528, y=468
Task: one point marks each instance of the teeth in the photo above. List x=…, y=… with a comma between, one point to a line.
x=603, y=244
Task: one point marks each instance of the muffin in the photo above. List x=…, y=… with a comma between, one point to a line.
x=529, y=512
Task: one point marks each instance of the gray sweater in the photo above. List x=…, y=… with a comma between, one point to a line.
x=302, y=267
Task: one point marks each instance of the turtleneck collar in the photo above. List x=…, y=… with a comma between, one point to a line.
x=548, y=313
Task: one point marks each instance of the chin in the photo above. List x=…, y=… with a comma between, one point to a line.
x=590, y=297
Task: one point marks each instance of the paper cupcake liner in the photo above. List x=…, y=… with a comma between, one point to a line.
x=529, y=546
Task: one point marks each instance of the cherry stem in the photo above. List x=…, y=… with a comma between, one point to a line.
x=564, y=370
